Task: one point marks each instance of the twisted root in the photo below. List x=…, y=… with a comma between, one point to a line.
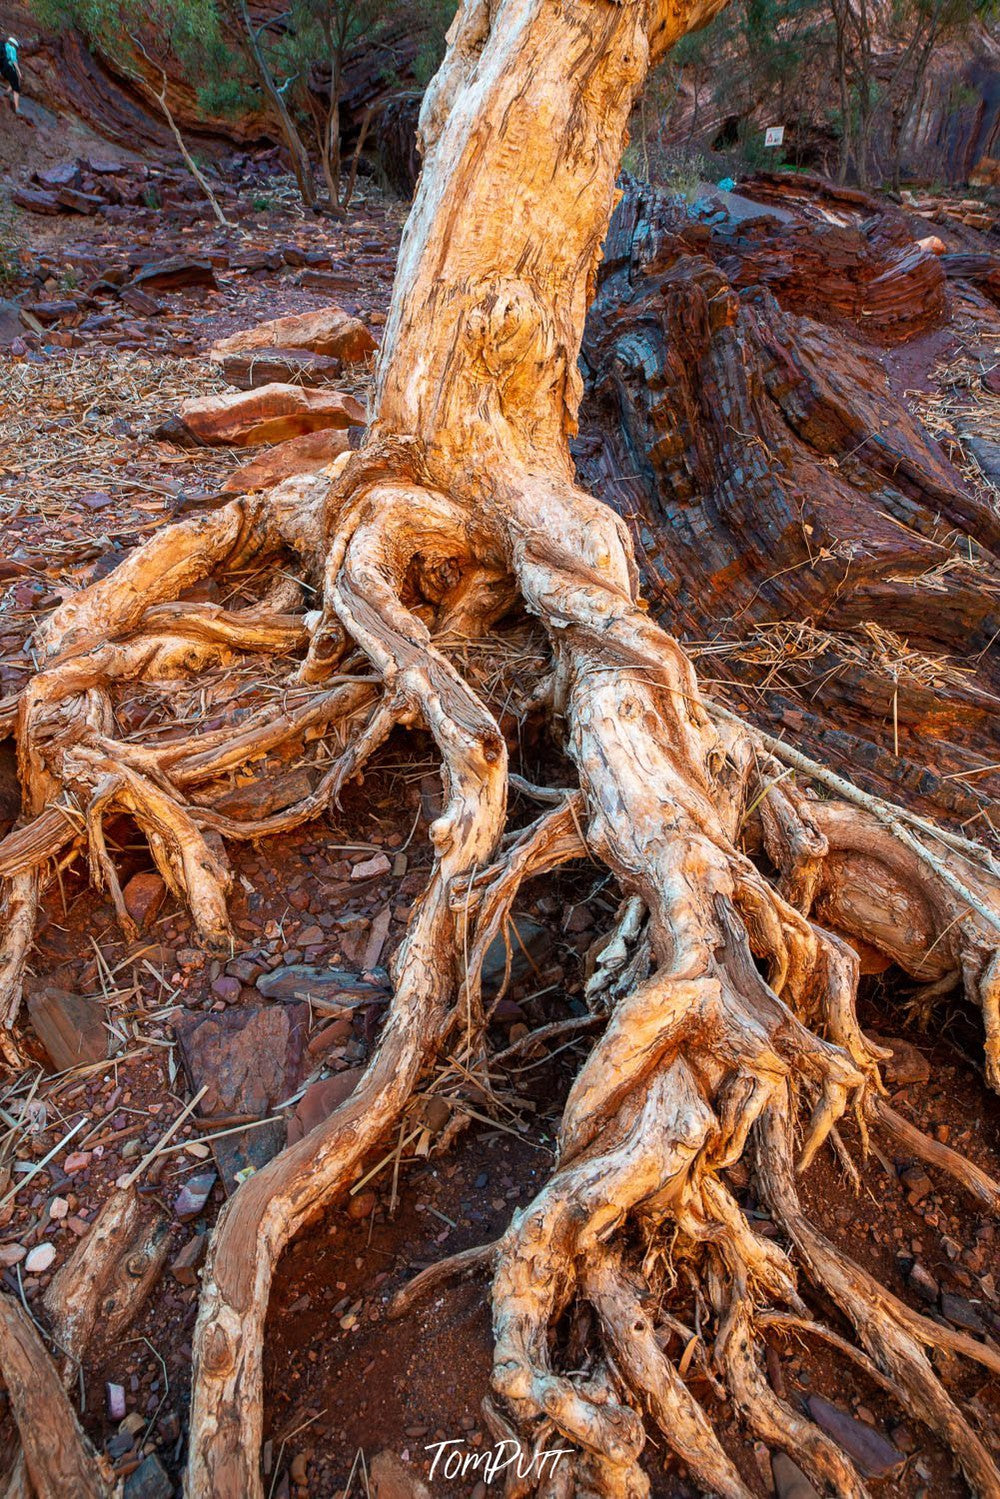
x=726, y=989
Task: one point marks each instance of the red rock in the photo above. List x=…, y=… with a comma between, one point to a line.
x=249, y=1056
x=337, y=1033
x=369, y=869
x=871, y=1453
x=178, y=271
x=392, y=1479
x=328, y=330
x=77, y=1160
x=227, y=987
x=362, y=1206
x=906, y=1065
x=143, y=896
x=136, y=300
x=186, y=1263
x=332, y=987
x=305, y=454
x=319, y=1101
x=36, y=201
x=50, y=313
x=256, y=367
x=64, y=174
x=70, y=1027
x=251, y=417
x=77, y=202
x=191, y=1199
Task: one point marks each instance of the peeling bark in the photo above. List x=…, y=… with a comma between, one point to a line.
x=727, y=989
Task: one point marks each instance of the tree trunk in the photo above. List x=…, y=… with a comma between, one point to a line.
x=727, y=987
x=293, y=140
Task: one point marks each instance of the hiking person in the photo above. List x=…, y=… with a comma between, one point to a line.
x=10, y=71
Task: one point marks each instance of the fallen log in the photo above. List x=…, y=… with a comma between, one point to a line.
x=109, y=1275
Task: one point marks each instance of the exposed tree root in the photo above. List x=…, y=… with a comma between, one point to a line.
x=697, y=1059
x=726, y=990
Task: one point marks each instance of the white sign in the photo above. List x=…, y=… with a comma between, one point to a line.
x=774, y=135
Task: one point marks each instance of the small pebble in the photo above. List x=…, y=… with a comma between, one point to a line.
x=193, y=1196
x=40, y=1258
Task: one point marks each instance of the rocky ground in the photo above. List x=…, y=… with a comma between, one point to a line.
x=179, y=1072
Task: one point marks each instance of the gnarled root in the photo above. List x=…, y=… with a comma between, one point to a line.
x=728, y=985
x=726, y=990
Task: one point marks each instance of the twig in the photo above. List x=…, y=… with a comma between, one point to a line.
x=151, y=1155
x=29, y=1176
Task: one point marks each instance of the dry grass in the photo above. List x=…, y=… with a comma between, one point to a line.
x=83, y=425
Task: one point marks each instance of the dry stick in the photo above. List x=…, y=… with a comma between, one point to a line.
x=934, y=1153
x=189, y=160
x=168, y=1134
x=885, y=812
x=879, y=808
x=428, y=1279
x=385, y=1161
x=29, y=1176
x=235, y=1129
x=547, y=1033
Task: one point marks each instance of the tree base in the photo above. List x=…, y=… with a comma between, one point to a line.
x=726, y=990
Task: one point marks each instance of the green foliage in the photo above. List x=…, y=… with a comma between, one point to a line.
x=829, y=70
x=435, y=16
x=229, y=97
x=678, y=169
x=316, y=41
x=185, y=34
x=759, y=62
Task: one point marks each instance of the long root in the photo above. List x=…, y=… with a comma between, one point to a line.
x=725, y=993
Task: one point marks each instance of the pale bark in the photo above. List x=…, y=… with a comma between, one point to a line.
x=57, y=1455
x=728, y=1010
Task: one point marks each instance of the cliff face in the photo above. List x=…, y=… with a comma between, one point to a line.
x=955, y=136
x=62, y=75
